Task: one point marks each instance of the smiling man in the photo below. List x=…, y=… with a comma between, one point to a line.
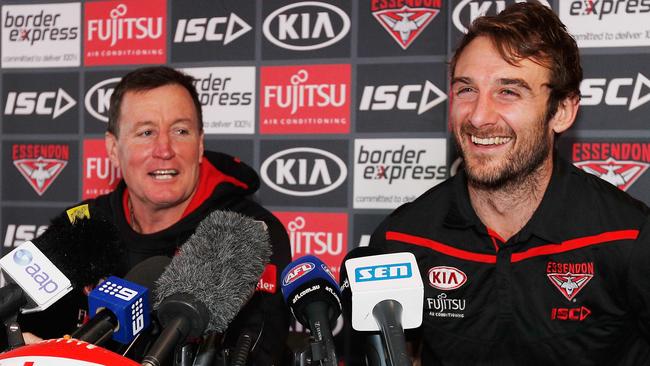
x=170, y=184
x=526, y=259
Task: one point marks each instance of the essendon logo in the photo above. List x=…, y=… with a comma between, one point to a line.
x=40, y=165
x=321, y=234
x=619, y=173
x=620, y=164
x=446, y=278
x=406, y=23
x=125, y=32
x=570, y=278
x=305, y=99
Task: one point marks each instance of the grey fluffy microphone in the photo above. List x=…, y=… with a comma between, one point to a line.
x=208, y=282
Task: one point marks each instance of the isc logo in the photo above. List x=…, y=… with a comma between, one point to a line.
x=297, y=272
x=383, y=272
x=46, y=103
x=17, y=234
x=199, y=29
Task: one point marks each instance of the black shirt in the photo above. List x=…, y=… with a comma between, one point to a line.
x=572, y=287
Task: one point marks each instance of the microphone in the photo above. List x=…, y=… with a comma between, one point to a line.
x=374, y=350
x=389, y=288
x=208, y=282
x=72, y=253
x=112, y=308
x=310, y=290
x=121, y=309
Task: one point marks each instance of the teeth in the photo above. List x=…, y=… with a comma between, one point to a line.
x=490, y=140
x=164, y=173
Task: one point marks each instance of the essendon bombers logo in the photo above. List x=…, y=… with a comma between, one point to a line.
x=570, y=278
x=40, y=172
x=40, y=164
x=619, y=173
x=405, y=24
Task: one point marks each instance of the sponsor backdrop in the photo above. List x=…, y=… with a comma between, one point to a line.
x=340, y=105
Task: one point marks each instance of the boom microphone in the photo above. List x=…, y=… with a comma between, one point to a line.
x=310, y=290
x=72, y=253
x=208, y=282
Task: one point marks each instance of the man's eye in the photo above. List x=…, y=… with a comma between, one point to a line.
x=145, y=133
x=509, y=92
x=182, y=131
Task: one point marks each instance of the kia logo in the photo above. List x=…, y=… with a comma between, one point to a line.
x=446, y=278
x=312, y=24
x=303, y=171
x=98, y=98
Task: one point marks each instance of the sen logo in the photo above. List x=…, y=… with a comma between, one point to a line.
x=446, y=278
x=383, y=272
x=297, y=272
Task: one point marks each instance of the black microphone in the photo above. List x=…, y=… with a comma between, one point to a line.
x=373, y=348
x=73, y=252
x=209, y=281
x=387, y=295
x=310, y=290
x=105, y=322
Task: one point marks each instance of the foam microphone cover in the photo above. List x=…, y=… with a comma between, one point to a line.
x=219, y=266
x=85, y=251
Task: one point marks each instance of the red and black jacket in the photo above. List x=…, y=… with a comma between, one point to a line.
x=571, y=288
x=224, y=184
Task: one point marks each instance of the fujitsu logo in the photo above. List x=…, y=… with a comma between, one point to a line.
x=317, y=243
x=301, y=94
x=118, y=27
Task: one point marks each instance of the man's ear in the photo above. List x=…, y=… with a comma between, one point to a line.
x=111, y=148
x=565, y=115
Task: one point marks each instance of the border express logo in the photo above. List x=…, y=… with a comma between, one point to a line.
x=569, y=278
x=40, y=165
x=405, y=23
x=41, y=35
x=125, y=32
x=305, y=99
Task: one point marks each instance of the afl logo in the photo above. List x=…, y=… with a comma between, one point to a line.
x=297, y=272
x=446, y=278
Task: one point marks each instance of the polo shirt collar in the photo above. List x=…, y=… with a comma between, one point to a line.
x=547, y=222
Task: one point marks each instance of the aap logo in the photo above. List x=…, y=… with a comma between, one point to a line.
x=22, y=257
x=296, y=272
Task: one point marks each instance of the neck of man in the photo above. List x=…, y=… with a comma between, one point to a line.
x=508, y=208
x=147, y=220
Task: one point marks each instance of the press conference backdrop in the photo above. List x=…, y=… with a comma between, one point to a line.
x=340, y=105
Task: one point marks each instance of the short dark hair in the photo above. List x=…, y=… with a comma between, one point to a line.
x=148, y=78
x=531, y=30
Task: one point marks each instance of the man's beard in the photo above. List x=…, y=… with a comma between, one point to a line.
x=517, y=166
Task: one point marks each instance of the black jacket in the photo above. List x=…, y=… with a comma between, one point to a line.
x=265, y=310
x=571, y=288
